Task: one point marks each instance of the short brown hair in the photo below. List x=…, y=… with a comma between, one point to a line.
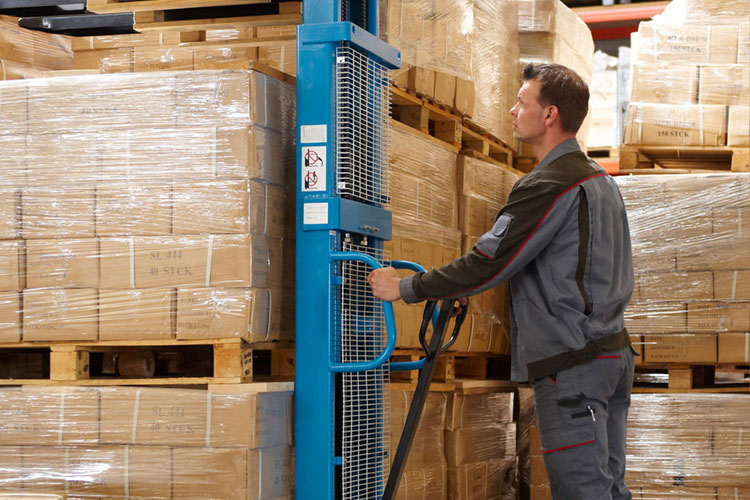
x=563, y=88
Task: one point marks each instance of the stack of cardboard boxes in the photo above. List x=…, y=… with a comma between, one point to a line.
x=28, y=54
x=229, y=442
x=159, y=196
x=691, y=250
x=690, y=81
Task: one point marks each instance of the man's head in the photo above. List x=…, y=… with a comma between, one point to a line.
x=552, y=97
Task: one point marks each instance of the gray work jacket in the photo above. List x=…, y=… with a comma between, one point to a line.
x=563, y=242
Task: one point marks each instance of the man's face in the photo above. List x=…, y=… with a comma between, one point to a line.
x=528, y=113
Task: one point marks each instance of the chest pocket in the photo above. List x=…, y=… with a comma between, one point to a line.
x=490, y=241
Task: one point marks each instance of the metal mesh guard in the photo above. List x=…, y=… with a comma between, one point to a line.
x=366, y=409
x=363, y=102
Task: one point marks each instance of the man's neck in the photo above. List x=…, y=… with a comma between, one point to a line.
x=548, y=143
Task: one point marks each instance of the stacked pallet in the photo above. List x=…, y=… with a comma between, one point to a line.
x=27, y=54
x=678, y=446
x=228, y=442
x=690, y=88
x=691, y=251
x=123, y=232
x=548, y=31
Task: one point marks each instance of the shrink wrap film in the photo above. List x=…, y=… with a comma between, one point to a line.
x=162, y=195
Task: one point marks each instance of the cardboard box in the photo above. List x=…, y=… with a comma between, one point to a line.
x=478, y=410
x=36, y=415
x=739, y=126
x=731, y=223
x=465, y=96
x=743, y=50
x=13, y=110
x=62, y=263
x=37, y=462
x=445, y=88
x=58, y=212
x=428, y=445
x=686, y=43
x=727, y=85
x=656, y=318
x=133, y=209
x=235, y=473
x=665, y=84
x=144, y=314
x=676, y=125
x=675, y=286
x=60, y=314
x=732, y=284
x=653, y=256
x=428, y=482
x=732, y=493
x=162, y=59
x=231, y=207
x=11, y=461
x=725, y=316
x=481, y=444
x=201, y=260
x=734, y=348
x=13, y=166
x=10, y=317
x=475, y=334
x=10, y=209
x=252, y=314
x=76, y=158
x=719, y=254
x=149, y=38
x=637, y=343
x=237, y=415
x=680, y=348
x=11, y=265
x=481, y=480
x=281, y=56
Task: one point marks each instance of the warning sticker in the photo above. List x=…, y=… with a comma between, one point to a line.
x=313, y=168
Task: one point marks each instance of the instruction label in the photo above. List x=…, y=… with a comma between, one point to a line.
x=315, y=213
x=313, y=168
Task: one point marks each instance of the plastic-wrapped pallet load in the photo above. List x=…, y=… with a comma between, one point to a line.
x=27, y=54
x=160, y=196
x=603, y=102
x=480, y=446
x=691, y=79
x=484, y=186
x=231, y=442
x=691, y=251
x=425, y=472
x=548, y=31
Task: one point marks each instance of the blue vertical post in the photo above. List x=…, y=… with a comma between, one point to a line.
x=322, y=219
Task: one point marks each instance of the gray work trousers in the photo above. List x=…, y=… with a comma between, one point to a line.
x=582, y=414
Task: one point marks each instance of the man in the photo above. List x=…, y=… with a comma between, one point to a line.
x=563, y=243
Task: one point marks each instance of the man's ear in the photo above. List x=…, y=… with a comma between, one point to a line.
x=551, y=114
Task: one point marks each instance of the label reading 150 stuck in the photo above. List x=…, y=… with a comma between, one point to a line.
x=313, y=168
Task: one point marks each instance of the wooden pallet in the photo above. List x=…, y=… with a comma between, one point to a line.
x=454, y=365
x=683, y=159
x=114, y=6
x=446, y=125
x=148, y=362
x=691, y=378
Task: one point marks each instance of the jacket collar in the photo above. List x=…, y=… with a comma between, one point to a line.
x=565, y=147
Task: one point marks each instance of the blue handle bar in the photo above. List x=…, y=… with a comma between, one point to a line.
x=390, y=323
x=411, y=365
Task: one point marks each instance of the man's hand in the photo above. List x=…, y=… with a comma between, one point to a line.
x=384, y=284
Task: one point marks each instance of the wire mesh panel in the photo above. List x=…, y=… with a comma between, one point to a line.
x=363, y=103
x=365, y=396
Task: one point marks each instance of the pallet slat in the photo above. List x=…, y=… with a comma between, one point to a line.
x=114, y=6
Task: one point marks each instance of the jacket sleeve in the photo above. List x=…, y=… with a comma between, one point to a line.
x=524, y=227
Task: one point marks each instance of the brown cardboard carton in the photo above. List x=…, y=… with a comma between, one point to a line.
x=478, y=410
x=656, y=318
x=99, y=472
x=11, y=265
x=445, y=88
x=652, y=491
x=143, y=314
x=151, y=38
x=732, y=284
x=13, y=166
x=233, y=473
x=162, y=59
x=654, y=256
x=429, y=442
x=465, y=96
x=11, y=461
x=133, y=209
x=240, y=415
x=37, y=462
x=50, y=416
x=486, y=179
x=60, y=314
x=734, y=347
x=680, y=348
x=10, y=204
x=727, y=85
x=252, y=314
x=111, y=60
x=739, y=126
x=743, y=51
x=637, y=344
x=150, y=471
x=10, y=317
x=471, y=445
x=732, y=493
x=62, y=263
x=687, y=43
x=675, y=286
x=76, y=158
x=13, y=110
x=201, y=260
x=676, y=125
x=731, y=223
x=665, y=84
x=427, y=482
x=718, y=254
x=725, y=316
x=479, y=481
x=61, y=212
